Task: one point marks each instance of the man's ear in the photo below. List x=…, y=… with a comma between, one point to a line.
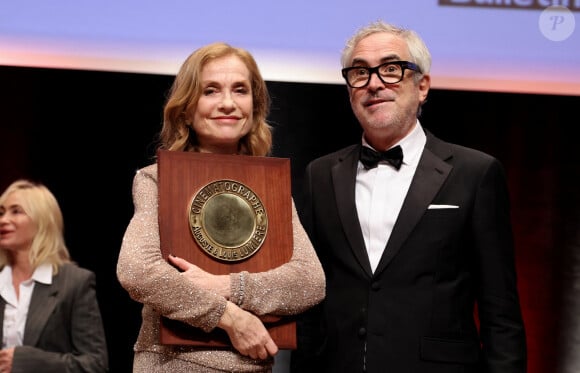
x=424, y=85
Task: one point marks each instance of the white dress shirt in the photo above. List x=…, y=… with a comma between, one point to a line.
x=16, y=309
x=380, y=193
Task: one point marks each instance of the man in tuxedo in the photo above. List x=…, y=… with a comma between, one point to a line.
x=414, y=234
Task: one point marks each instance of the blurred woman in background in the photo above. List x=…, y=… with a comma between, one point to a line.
x=51, y=321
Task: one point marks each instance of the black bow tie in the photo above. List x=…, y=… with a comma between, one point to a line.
x=370, y=158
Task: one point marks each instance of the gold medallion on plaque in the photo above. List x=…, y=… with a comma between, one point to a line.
x=228, y=220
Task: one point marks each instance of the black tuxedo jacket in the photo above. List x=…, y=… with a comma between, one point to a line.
x=64, y=331
x=450, y=249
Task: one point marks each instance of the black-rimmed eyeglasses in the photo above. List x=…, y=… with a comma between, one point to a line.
x=389, y=73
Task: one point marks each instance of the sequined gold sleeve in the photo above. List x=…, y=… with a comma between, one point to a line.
x=147, y=276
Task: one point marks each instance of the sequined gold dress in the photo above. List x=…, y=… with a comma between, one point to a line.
x=287, y=290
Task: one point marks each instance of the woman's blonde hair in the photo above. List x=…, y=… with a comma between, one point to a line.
x=48, y=245
x=186, y=90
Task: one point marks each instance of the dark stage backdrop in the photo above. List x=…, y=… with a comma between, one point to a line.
x=85, y=133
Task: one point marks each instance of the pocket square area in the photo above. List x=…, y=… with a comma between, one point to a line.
x=435, y=207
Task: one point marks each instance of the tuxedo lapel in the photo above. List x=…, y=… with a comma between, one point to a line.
x=344, y=182
x=42, y=304
x=431, y=173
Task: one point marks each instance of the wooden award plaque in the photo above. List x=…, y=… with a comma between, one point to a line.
x=194, y=185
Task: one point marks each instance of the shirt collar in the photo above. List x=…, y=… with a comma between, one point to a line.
x=42, y=274
x=413, y=145
x=6, y=276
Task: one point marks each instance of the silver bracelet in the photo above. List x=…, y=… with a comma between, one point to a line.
x=241, y=290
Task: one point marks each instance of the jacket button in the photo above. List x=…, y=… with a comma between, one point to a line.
x=362, y=332
x=375, y=286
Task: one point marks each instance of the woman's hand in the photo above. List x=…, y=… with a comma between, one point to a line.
x=202, y=279
x=247, y=333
